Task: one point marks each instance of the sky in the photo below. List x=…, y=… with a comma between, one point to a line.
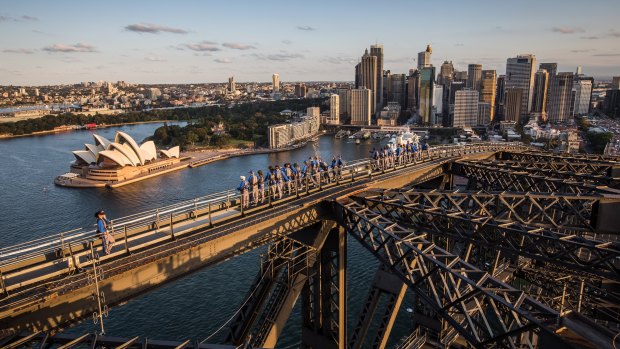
x=59, y=42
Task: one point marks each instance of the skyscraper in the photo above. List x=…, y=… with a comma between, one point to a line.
x=276, y=82
x=460, y=76
x=465, y=108
x=334, y=110
x=396, y=89
x=231, y=84
x=424, y=58
x=513, y=102
x=454, y=86
x=539, y=97
x=344, y=95
x=301, y=90
x=438, y=102
x=368, y=77
x=474, y=76
x=520, y=74
x=583, y=94
x=552, y=70
x=360, y=106
x=499, y=97
x=446, y=73
x=377, y=51
x=413, y=81
x=615, y=83
x=427, y=86
x=560, y=98
x=488, y=88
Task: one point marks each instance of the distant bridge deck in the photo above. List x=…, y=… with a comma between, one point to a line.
x=46, y=282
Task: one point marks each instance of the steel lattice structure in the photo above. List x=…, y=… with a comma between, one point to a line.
x=494, y=178
x=438, y=213
x=529, y=155
x=588, y=173
x=485, y=311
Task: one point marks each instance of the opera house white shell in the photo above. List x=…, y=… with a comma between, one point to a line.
x=124, y=151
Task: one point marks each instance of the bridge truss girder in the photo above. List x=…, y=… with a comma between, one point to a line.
x=533, y=156
x=493, y=178
x=546, y=245
x=599, y=176
x=485, y=311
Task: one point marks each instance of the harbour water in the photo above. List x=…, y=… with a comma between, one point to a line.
x=195, y=306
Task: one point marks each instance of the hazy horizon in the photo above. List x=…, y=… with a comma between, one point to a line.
x=185, y=42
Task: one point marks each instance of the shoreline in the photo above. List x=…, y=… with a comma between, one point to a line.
x=44, y=133
x=190, y=159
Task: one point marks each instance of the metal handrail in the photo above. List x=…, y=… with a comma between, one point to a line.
x=51, y=243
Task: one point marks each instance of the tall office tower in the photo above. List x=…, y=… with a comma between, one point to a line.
x=368, y=77
x=397, y=89
x=301, y=90
x=560, y=99
x=539, y=96
x=427, y=87
x=438, y=102
x=488, y=89
x=460, y=76
x=465, y=108
x=344, y=95
x=361, y=102
x=334, y=110
x=276, y=82
x=36, y=92
x=520, y=74
x=513, y=102
x=424, y=58
x=231, y=84
x=413, y=84
x=583, y=94
x=377, y=51
x=454, y=86
x=446, y=73
x=500, y=97
x=552, y=70
x=578, y=71
x=386, y=82
x=615, y=83
x=474, y=76
x=484, y=114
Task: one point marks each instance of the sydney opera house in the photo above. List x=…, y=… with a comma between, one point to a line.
x=123, y=159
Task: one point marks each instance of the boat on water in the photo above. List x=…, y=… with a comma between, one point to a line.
x=357, y=141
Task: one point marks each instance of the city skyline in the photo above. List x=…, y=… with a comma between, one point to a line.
x=195, y=42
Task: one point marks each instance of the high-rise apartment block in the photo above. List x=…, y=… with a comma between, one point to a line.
x=615, y=83
x=397, y=89
x=275, y=82
x=488, y=89
x=231, y=85
x=301, y=90
x=334, y=110
x=361, y=104
x=520, y=74
x=344, y=96
x=446, y=73
x=582, y=89
x=465, y=108
x=499, y=97
x=539, y=95
x=474, y=76
x=413, y=84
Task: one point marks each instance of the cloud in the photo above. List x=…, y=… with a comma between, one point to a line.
x=26, y=51
x=614, y=33
x=222, y=60
x=580, y=51
x=287, y=42
x=567, y=30
x=29, y=18
x=6, y=19
x=154, y=59
x=607, y=55
x=589, y=37
x=279, y=56
x=153, y=29
x=79, y=47
x=339, y=60
x=203, y=46
x=459, y=44
x=237, y=46
x=306, y=28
